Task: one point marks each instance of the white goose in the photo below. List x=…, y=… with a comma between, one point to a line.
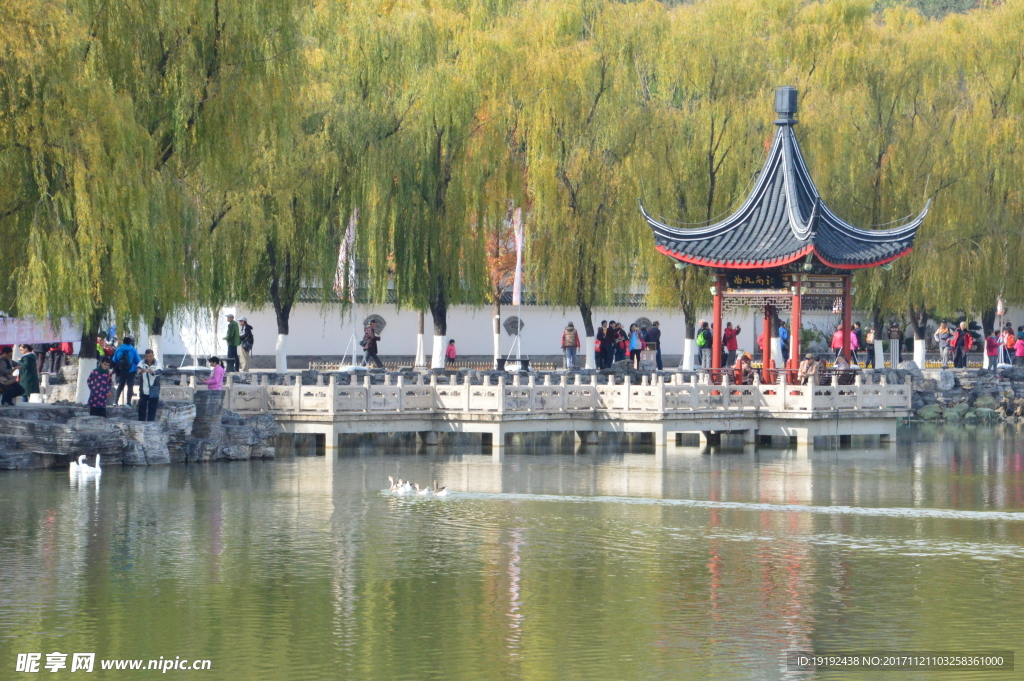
x=406, y=487
x=393, y=487
x=86, y=469
x=421, y=490
x=76, y=466
x=443, y=492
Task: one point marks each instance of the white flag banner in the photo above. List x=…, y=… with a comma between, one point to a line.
x=347, y=261
x=517, y=283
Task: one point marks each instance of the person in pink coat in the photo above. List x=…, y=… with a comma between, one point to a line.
x=837, y=344
x=216, y=379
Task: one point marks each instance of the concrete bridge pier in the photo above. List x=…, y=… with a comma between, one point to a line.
x=710, y=437
x=428, y=437
x=586, y=437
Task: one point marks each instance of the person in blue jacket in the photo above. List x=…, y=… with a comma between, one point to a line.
x=126, y=361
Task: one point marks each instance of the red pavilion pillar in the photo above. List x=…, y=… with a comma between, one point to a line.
x=716, y=331
x=794, y=331
x=766, y=345
x=847, y=317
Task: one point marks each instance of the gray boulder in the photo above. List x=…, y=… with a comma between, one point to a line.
x=910, y=366
x=147, y=443
x=945, y=381
x=985, y=402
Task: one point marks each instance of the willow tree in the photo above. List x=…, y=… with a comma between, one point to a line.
x=82, y=204
x=582, y=117
x=986, y=210
x=206, y=78
x=429, y=179
x=879, y=147
x=705, y=143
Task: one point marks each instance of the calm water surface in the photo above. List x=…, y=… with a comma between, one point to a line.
x=599, y=563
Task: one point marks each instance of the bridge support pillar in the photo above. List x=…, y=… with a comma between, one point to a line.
x=708, y=437
x=494, y=438
x=802, y=437
x=750, y=436
x=428, y=437
x=586, y=437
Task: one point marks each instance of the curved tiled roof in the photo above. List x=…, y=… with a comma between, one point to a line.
x=783, y=220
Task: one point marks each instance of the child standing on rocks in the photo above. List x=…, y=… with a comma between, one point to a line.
x=99, y=383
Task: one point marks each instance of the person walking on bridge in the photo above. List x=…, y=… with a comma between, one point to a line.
x=369, y=343
x=570, y=345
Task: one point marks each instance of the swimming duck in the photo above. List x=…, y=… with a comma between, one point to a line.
x=443, y=492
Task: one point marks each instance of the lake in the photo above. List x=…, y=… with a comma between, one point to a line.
x=549, y=562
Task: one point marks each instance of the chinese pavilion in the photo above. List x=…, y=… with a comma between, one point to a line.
x=783, y=248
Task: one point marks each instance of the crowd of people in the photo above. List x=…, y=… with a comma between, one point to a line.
x=613, y=343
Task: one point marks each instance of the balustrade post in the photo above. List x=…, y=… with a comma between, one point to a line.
x=627, y=389
x=366, y=392
x=857, y=383
x=400, y=384
x=332, y=394
x=501, y=393
x=694, y=394
x=466, y=385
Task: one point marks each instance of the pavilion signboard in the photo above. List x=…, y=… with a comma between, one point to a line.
x=755, y=282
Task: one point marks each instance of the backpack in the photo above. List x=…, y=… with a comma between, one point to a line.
x=124, y=362
x=702, y=338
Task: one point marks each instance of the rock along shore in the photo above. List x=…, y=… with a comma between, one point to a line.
x=45, y=436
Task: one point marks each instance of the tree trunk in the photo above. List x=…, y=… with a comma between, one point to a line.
x=919, y=324
x=439, y=312
x=497, y=328
x=282, y=311
x=690, y=326
x=156, y=330
x=283, y=297
x=988, y=321
x=588, y=327
x=421, y=355
x=87, y=357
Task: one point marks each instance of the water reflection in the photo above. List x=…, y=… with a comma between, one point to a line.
x=554, y=562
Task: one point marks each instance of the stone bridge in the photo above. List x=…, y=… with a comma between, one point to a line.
x=664, y=406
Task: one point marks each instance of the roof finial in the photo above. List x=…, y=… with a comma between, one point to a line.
x=785, y=105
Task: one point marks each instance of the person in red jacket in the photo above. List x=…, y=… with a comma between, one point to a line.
x=729, y=341
x=992, y=345
x=962, y=342
x=570, y=344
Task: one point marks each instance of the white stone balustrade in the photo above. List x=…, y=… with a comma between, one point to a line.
x=500, y=395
